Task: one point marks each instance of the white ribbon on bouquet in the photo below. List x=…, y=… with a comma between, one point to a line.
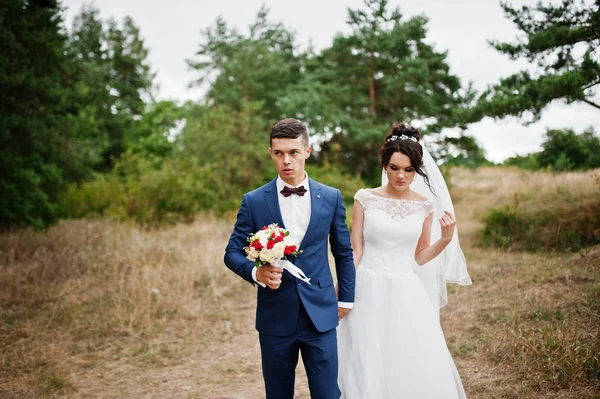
x=293, y=269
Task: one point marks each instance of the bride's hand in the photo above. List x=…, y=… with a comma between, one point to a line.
x=342, y=312
x=448, y=223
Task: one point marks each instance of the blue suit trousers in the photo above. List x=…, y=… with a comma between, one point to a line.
x=319, y=355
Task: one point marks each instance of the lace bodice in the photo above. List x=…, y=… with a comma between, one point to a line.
x=397, y=209
x=391, y=230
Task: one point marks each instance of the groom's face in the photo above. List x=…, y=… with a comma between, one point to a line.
x=289, y=156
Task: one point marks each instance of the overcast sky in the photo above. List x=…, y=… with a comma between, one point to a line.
x=171, y=30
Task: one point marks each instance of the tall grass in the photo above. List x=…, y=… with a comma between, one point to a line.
x=530, y=317
x=94, y=289
x=487, y=188
x=555, y=220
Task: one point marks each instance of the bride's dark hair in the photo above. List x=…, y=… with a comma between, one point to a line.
x=404, y=139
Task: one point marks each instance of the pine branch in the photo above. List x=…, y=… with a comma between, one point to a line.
x=590, y=103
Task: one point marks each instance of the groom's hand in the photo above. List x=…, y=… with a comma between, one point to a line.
x=270, y=276
x=342, y=312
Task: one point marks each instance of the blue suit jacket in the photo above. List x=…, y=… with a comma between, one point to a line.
x=277, y=310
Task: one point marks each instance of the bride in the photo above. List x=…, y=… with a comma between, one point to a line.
x=391, y=344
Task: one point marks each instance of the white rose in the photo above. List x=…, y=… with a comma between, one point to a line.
x=278, y=249
x=252, y=253
x=267, y=256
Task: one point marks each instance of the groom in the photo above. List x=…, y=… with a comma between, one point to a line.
x=292, y=316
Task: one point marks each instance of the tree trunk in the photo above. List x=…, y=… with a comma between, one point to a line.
x=362, y=164
x=372, y=93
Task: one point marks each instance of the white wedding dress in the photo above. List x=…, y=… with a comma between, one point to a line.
x=391, y=345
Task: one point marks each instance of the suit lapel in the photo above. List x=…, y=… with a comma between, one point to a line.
x=316, y=204
x=272, y=199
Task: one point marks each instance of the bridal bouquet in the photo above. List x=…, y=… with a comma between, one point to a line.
x=272, y=245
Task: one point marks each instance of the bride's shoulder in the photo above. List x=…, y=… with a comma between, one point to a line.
x=361, y=196
x=362, y=191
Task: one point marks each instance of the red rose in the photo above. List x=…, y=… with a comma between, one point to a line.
x=270, y=244
x=279, y=239
x=265, y=228
x=290, y=249
x=256, y=245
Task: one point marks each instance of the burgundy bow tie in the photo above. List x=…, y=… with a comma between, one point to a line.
x=287, y=191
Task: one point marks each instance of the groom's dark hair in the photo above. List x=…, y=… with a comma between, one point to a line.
x=289, y=128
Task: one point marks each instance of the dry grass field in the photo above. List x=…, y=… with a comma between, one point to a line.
x=95, y=309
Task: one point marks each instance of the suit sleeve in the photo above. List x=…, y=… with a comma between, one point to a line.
x=339, y=238
x=235, y=257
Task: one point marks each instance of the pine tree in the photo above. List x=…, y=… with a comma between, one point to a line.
x=33, y=69
x=562, y=42
x=383, y=71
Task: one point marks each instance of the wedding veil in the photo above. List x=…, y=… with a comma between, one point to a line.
x=450, y=265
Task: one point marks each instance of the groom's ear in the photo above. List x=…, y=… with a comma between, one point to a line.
x=308, y=151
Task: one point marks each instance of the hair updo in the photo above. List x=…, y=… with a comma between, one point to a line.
x=404, y=139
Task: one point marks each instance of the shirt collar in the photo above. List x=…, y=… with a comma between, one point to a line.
x=281, y=184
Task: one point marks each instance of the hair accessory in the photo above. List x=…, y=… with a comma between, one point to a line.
x=395, y=137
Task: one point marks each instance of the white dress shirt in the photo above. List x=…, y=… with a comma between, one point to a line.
x=295, y=212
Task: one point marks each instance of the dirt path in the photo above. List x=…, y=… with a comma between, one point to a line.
x=228, y=368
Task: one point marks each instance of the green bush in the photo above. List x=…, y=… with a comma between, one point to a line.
x=504, y=226
x=92, y=198
x=562, y=150
x=334, y=177
x=175, y=192
x=529, y=161
x=562, y=224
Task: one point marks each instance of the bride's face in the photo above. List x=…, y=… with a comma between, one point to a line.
x=400, y=171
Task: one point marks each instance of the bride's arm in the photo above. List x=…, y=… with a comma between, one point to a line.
x=426, y=252
x=356, y=235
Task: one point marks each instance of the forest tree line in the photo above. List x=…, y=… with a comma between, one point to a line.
x=82, y=133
